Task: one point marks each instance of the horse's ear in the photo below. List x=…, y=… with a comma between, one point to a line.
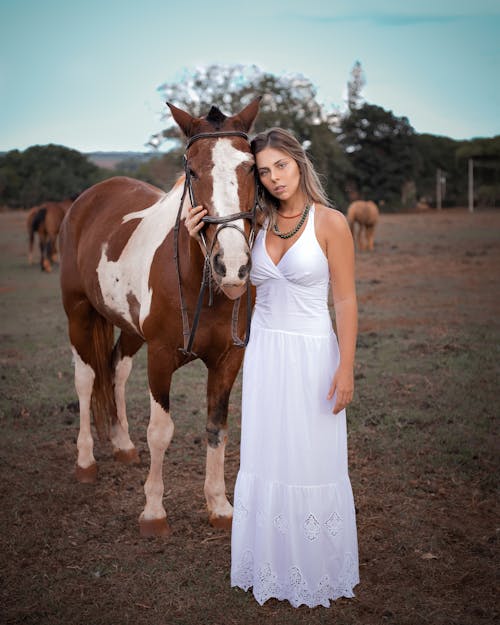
x=184, y=120
x=249, y=113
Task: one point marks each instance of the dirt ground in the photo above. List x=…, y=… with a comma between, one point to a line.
x=423, y=449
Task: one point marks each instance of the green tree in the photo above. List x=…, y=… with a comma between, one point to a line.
x=381, y=151
x=485, y=153
x=44, y=172
x=436, y=152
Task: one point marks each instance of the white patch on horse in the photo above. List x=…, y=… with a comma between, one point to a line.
x=160, y=432
x=84, y=382
x=215, y=486
x=226, y=159
x=129, y=275
x=119, y=431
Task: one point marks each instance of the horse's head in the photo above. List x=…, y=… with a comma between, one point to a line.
x=220, y=175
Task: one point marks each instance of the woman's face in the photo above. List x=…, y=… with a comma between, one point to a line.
x=279, y=173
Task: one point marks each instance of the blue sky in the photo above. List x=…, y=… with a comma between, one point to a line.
x=84, y=73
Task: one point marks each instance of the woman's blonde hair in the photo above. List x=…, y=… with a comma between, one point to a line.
x=309, y=182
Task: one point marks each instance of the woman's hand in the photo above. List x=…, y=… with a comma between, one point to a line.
x=193, y=221
x=343, y=385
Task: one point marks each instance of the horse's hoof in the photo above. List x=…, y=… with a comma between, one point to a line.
x=87, y=475
x=127, y=456
x=154, y=528
x=220, y=522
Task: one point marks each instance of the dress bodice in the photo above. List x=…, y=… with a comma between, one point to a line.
x=292, y=295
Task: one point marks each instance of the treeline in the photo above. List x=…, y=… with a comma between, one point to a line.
x=365, y=152
x=44, y=173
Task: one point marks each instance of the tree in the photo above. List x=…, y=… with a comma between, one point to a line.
x=435, y=152
x=355, y=86
x=44, y=172
x=288, y=101
x=381, y=151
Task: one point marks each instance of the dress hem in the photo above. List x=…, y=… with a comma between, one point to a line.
x=296, y=603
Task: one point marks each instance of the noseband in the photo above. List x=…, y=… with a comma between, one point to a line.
x=221, y=222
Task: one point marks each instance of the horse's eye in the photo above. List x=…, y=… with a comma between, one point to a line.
x=192, y=174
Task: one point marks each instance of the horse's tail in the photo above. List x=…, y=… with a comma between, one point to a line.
x=103, y=399
x=38, y=220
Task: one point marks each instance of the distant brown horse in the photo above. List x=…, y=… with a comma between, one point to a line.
x=45, y=220
x=120, y=244
x=365, y=214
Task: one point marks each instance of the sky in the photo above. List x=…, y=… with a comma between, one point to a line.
x=85, y=73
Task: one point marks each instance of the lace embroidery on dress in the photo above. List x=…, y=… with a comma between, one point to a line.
x=333, y=524
x=244, y=573
x=266, y=584
x=281, y=524
x=240, y=513
x=311, y=527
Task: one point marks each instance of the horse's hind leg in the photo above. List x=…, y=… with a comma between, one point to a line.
x=80, y=337
x=359, y=237
x=220, y=381
x=91, y=339
x=362, y=237
x=86, y=467
x=44, y=252
x=126, y=346
x=370, y=236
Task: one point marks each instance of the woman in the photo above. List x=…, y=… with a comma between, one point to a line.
x=294, y=528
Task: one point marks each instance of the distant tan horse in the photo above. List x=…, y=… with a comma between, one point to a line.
x=365, y=214
x=45, y=220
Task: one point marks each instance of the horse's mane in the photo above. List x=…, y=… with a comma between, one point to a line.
x=216, y=117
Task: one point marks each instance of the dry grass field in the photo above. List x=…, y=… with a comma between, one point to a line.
x=423, y=445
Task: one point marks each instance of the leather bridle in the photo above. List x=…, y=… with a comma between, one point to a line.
x=221, y=223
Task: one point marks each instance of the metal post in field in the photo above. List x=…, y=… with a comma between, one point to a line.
x=471, y=185
x=438, y=189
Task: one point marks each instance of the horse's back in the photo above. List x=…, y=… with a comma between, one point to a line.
x=109, y=201
x=95, y=225
x=364, y=212
x=99, y=211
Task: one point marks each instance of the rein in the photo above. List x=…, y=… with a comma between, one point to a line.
x=222, y=222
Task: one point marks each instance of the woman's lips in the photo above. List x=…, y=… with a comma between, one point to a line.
x=279, y=189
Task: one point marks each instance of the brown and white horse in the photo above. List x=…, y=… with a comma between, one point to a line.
x=365, y=214
x=118, y=245
x=45, y=220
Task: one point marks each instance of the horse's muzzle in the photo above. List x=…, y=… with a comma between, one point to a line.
x=223, y=273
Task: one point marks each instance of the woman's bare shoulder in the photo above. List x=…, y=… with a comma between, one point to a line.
x=330, y=219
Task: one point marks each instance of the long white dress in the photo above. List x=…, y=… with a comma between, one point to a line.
x=294, y=526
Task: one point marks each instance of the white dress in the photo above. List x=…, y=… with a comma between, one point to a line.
x=294, y=526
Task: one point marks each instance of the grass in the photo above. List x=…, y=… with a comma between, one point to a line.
x=423, y=437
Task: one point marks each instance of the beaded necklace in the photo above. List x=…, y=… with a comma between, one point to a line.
x=290, y=233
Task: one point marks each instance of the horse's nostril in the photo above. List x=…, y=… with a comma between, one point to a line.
x=219, y=266
x=245, y=269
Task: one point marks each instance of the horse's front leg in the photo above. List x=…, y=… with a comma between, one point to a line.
x=153, y=519
x=221, y=377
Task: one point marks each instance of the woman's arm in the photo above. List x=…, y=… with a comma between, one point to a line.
x=339, y=249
